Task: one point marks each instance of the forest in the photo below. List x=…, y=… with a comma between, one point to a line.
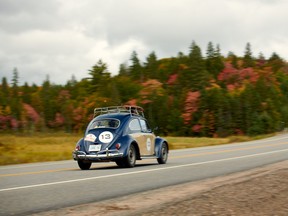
x=192, y=94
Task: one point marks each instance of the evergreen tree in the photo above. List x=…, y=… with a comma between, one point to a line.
x=218, y=60
x=195, y=77
x=248, y=60
x=214, y=111
x=4, y=93
x=210, y=57
x=127, y=89
x=248, y=109
x=71, y=86
x=26, y=93
x=123, y=70
x=261, y=61
x=234, y=60
x=183, y=95
x=195, y=55
x=135, y=70
x=276, y=62
x=47, y=102
x=99, y=77
x=15, y=103
x=150, y=67
x=15, y=81
x=72, y=82
x=214, y=63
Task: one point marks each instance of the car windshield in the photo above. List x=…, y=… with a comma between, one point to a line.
x=105, y=123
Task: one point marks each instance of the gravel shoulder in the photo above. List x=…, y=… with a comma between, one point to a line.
x=261, y=191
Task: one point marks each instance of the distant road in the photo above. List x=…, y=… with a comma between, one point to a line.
x=32, y=188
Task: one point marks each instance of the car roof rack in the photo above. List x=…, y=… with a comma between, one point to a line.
x=133, y=110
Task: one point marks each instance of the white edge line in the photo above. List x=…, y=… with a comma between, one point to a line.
x=142, y=171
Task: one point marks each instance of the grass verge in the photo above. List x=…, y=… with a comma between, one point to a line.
x=17, y=149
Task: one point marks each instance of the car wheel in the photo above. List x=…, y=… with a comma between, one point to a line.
x=84, y=165
x=163, y=154
x=130, y=160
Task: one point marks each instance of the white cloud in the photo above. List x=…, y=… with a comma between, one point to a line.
x=61, y=38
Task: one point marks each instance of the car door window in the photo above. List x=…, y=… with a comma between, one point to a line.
x=144, y=126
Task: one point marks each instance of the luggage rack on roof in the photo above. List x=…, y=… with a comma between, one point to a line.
x=133, y=110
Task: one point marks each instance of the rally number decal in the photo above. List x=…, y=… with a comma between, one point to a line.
x=106, y=137
x=148, y=144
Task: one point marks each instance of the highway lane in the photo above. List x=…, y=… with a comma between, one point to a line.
x=32, y=188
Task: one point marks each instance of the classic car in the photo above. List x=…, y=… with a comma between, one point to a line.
x=120, y=134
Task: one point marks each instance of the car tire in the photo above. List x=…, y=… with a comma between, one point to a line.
x=130, y=160
x=84, y=165
x=163, y=154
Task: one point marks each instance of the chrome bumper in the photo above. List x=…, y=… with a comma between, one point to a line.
x=101, y=155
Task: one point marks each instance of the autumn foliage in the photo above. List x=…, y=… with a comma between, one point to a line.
x=186, y=95
x=190, y=106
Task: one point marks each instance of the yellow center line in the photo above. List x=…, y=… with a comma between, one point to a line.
x=142, y=162
x=43, y=171
x=229, y=150
x=36, y=172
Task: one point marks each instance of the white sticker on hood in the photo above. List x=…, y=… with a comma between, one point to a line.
x=90, y=137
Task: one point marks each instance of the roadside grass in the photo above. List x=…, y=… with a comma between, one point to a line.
x=17, y=149
x=193, y=142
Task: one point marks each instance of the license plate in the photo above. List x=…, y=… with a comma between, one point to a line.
x=94, y=147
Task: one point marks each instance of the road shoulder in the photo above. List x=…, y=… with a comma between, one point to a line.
x=260, y=191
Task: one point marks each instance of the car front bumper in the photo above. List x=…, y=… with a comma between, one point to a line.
x=106, y=155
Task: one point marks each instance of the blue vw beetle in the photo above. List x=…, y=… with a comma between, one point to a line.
x=120, y=134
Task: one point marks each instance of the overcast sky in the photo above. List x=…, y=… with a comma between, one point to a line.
x=61, y=38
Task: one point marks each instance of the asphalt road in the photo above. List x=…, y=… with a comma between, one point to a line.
x=32, y=188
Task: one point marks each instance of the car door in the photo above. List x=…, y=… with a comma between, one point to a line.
x=137, y=134
x=149, y=145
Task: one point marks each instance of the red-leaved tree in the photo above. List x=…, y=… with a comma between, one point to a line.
x=190, y=106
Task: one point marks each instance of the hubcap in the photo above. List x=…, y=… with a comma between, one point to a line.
x=131, y=155
x=164, y=153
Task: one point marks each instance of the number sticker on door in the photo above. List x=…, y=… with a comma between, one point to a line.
x=106, y=137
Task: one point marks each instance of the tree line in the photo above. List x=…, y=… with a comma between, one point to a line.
x=187, y=95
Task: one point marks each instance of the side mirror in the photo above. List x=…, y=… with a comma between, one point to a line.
x=155, y=129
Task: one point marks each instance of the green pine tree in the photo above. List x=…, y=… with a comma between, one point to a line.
x=136, y=70
x=99, y=77
x=248, y=60
x=214, y=63
x=150, y=67
x=195, y=77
